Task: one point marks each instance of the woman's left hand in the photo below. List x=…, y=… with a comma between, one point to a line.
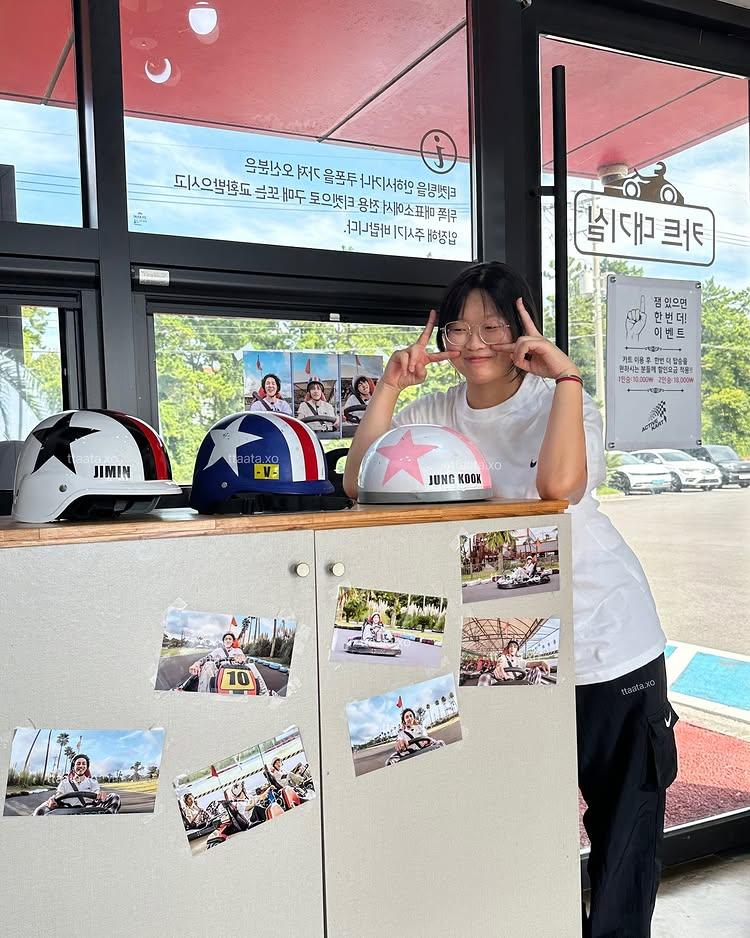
x=533, y=353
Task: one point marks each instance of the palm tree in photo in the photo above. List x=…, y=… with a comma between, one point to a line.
x=136, y=767
x=429, y=714
x=452, y=697
x=70, y=754
x=46, y=756
x=273, y=640
x=28, y=754
x=62, y=740
x=497, y=540
x=153, y=771
x=445, y=704
x=437, y=707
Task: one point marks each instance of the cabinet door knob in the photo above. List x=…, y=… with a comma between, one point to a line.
x=302, y=569
x=337, y=569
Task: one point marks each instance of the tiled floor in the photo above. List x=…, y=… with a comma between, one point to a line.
x=706, y=898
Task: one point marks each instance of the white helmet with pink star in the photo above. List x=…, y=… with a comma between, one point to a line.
x=423, y=463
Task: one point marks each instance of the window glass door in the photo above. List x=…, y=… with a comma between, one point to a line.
x=658, y=187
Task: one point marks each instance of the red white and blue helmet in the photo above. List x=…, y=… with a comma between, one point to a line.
x=90, y=464
x=423, y=463
x=257, y=453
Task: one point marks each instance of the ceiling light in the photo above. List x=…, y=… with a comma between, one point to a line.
x=158, y=72
x=203, y=18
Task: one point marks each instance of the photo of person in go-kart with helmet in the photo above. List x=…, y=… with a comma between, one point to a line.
x=247, y=789
x=398, y=726
x=211, y=653
x=500, y=652
x=315, y=378
x=359, y=378
x=62, y=772
x=520, y=561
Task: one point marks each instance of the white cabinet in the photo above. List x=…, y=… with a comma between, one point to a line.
x=480, y=837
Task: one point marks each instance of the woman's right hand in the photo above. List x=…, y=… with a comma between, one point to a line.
x=407, y=367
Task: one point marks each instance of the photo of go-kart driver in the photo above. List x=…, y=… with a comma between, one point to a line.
x=522, y=561
x=403, y=724
x=359, y=378
x=217, y=653
x=503, y=652
x=238, y=793
x=55, y=772
x=380, y=625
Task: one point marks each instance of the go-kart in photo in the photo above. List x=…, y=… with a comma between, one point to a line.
x=403, y=724
x=523, y=561
x=217, y=653
x=359, y=377
x=509, y=652
x=379, y=625
x=244, y=790
x=315, y=377
x=57, y=772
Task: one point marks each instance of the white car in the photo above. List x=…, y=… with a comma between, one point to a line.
x=633, y=474
x=683, y=469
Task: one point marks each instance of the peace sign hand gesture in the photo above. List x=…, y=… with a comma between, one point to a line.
x=407, y=367
x=533, y=353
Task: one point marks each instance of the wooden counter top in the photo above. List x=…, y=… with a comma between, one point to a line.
x=183, y=522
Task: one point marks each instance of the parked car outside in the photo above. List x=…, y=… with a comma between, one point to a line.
x=684, y=470
x=632, y=474
x=733, y=469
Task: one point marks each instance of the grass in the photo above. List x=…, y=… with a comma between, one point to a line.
x=172, y=652
x=145, y=784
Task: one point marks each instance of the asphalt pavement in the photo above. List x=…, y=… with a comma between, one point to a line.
x=695, y=550
x=479, y=592
x=131, y=802
x=367, y=760
x=173, y=670
x=414, y=654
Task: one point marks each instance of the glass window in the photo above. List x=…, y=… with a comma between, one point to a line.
x=40, y=176
x=649, y=144
x=342, y=127
x=201, y=369
x=30, y=368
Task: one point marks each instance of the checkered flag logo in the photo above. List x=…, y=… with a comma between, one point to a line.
x=657, y=417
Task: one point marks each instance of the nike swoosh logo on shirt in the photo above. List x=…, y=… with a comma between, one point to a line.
x=668, y=721
x=532, y=463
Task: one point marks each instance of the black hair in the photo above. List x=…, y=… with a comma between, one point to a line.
x=408, y=710
x=225, y=635
x=317, y=381
x=277, y=759
x=275, y=378
x=500, y=286
x=81, y=755
x=513, y=642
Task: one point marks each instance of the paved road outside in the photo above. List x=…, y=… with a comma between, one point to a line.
x=695, y=549
x=367, y=760
x=414, y=654
x=131, y=802
x=479, y=592
x=173, y=670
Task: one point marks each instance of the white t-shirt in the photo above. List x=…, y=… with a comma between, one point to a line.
x=87, y=783
x=415, y=731
x=616, y=625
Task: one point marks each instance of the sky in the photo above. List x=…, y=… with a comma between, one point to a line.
x=368, y=718
x=212, y=625
x=109, y=750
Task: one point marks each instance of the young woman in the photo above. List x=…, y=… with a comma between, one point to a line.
x=315, y=405
x=523, y=404
x=411, y=729
x=272, y=400
x=358, y=400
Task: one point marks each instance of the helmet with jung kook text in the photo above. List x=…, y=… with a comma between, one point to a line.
x=423, y=463
x=86, y=464
x=258, y=461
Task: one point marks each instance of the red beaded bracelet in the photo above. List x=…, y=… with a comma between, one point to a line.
x=569, y=378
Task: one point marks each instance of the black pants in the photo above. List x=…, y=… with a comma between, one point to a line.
x=627, y=759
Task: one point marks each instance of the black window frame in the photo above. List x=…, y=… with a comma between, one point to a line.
x=110, y=351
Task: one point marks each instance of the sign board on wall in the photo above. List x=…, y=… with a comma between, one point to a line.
x=653, y=363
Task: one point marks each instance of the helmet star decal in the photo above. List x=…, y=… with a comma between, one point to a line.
x=227, y=442
x=404, y=456
x=56, y=442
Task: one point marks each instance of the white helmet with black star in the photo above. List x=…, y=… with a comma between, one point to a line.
x=90, y=464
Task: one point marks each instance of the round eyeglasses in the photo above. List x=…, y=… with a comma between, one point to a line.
x=490, y=331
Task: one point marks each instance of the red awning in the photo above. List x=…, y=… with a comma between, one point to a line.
x=371, y=74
